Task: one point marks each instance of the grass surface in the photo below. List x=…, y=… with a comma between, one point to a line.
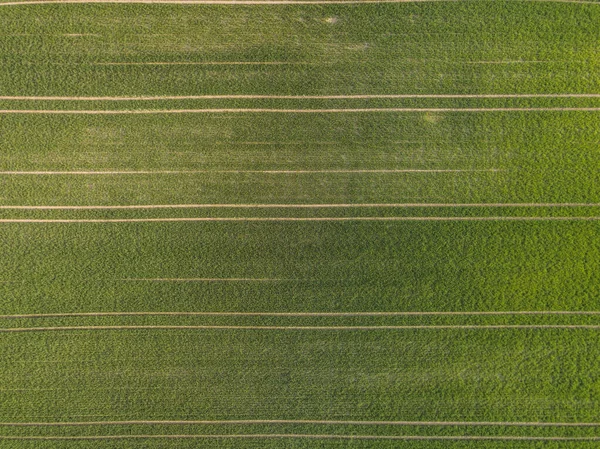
x=303, y=333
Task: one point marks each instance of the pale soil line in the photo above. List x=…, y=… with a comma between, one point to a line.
x=298, y=206
x=284, y=219
x=209, y=280
x=285, y=111
x=301, y=328
x=222, y=2
x=308, y=436
x=585, y=2
x=294, y=314
x=303, y=422
x=296, y=97
x=271, y=172
x=508, y=62
x=257, y=2
x=204, y=63
x=283, y=142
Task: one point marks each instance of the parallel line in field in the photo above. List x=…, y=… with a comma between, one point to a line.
x=299, y=206
x=259, y=2
x=290, y=97
x=223, y=2
x=211, y=280
x=296, y=314
x=270, y=172
x=509, y=62
x=289, y=219
x=158, y=63
x=308, y=436
x=286, y=111
x=588, y=2
x=300, y=328
x=303, y=422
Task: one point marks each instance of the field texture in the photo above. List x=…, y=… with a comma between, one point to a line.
x=300, y=224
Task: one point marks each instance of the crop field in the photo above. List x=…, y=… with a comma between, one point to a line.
x=299, y=224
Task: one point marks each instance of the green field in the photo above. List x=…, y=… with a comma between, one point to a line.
x=326, y=225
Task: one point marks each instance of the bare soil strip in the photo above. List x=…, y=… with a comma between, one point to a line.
x=287, y=97
x=296, y=314
x=286, y=111
x=304, y=422
x=300, y=328
x=299, y=206
x=269, y=172
x=308, y=436
x=289, y=219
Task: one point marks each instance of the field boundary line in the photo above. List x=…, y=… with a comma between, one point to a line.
x=300, y=328
x=296, y=206
x=258, y=2
x=224, y=2
x=303, y=422
x=271, y=172
x=300, y=435
x=297, y=314
x=289, y=219
x=286, y=111
x=285, y=97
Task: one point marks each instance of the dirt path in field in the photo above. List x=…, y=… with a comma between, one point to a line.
x=289, y=219
x=286, y=111
x=299, y=206
x=304, y=422
x=288, y=97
